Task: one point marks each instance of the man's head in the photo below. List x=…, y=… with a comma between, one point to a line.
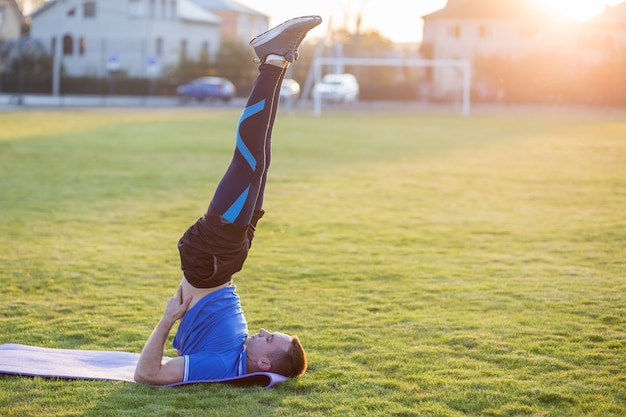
x=275, y=352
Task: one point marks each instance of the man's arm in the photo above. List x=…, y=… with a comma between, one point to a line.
x=150, y=368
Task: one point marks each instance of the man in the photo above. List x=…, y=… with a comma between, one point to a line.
x=212, y=339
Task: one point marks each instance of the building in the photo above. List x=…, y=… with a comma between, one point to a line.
x=465, y=28
x=468, y=29
x=140, y=38
x=11, y=20
x=240, y=23
x=603, y=37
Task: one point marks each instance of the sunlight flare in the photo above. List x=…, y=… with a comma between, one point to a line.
x=579, y=10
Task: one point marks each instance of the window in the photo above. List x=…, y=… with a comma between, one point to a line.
x=163, y=9
x=243, y=26
x=81, y=46
x=204, y=53
x=524, y=33
x=174, y=13
x=2, y=14
x=183, y=50
x=484, y=32
x=89, y=9
x=152, y=9
x=159, y=47
x=68, y=45
x=529, y=33
x=454, y=31
x=135, y=8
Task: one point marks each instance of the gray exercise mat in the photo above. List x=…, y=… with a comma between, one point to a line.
x=97, y=365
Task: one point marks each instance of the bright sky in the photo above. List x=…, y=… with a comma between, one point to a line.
x=398, y=20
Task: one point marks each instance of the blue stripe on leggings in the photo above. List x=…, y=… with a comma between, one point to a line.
x=234, y=210
x=248, y=112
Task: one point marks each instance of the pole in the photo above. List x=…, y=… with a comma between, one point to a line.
x=467, y=85
x=56, y=66
x=20, y=50
x=317, y=75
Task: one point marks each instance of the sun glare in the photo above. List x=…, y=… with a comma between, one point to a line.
x=580, y=10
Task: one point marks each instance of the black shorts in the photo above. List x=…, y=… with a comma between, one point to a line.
x=213, y=250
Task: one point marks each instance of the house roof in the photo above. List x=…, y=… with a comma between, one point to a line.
x=489, y=9
x=611, y=16
x=187, y=10
x=13, y=4
x=226, y=6
x=45, y=6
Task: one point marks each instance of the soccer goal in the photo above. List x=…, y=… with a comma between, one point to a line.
x=463, y=65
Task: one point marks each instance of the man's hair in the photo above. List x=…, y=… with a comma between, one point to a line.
x=291, y=363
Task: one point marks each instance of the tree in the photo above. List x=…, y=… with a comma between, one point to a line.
x=234, y=61
x=26, y=65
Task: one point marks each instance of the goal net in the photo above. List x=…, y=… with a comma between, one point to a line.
x=441, y=79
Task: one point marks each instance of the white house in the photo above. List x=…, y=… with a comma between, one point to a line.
x=11, y=20
x=240, y=22
x=466, y=29
x=604, y=36
x=138, y=37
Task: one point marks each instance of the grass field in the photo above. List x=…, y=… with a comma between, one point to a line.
x=432, y=265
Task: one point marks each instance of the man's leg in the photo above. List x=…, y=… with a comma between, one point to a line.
x=216, y=246
x=240, y=192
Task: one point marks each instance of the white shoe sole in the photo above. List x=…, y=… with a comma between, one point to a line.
x=272, y=33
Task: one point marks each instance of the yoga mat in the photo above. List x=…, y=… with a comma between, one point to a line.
x=98, y=365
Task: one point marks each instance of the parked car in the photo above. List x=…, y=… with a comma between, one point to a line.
x=289, y=89
x=341, y=88
x=213, y=88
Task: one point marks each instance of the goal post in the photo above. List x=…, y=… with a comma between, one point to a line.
x=463, y=65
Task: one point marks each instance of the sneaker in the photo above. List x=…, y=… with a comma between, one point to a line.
x=284, y=39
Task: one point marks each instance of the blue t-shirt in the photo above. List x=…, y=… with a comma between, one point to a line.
x=211, y=335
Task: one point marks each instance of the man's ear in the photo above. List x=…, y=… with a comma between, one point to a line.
x=264, y=364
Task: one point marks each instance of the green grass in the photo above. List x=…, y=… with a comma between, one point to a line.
x=432, y=265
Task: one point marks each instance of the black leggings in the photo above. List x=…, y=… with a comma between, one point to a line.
x=216, y=246
x=240, y=192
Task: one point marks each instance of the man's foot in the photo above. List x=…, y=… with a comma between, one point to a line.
x=284, y=39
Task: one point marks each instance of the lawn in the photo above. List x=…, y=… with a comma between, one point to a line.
x=432, y=265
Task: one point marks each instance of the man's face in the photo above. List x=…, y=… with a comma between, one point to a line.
x=262, y=344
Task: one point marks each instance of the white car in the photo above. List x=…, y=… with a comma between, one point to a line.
x=341, y=88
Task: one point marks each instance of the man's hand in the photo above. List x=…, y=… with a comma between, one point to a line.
x=176, y=307
x=150, y=367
